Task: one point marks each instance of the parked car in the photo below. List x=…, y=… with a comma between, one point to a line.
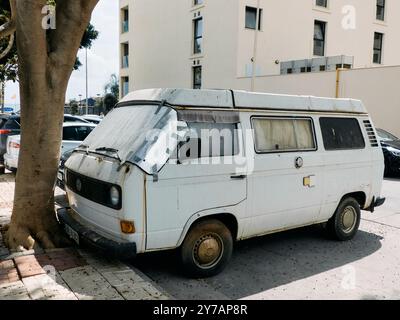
x=11, y=125
x=92, y=118
x=200, y=169
x=391, y=151
x=73, y=135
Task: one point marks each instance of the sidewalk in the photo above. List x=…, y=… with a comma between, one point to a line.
x=65, y=274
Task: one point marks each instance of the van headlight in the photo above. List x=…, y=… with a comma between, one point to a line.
x=114, y=196
x=394, y=151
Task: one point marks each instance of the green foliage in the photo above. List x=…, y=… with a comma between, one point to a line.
x=109, y=102
x=8, y=65
x=90, y=35
x=73, y=104
x=113, y=86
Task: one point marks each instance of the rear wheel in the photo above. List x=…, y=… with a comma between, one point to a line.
x=343, y=226
x=206, y=249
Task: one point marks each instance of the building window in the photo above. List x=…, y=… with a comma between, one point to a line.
x=198, y=36
x=125, y=86
x=283, y=135
x=125, y=55
x=197, y=74
x=322, y=3
x=378, y=47
x=341, y=134
x=380, y=10
x=319, y=38
x=125, y=20
x=251, y=18
x=198, y=2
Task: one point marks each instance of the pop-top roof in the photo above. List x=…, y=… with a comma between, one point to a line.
x=244, y=100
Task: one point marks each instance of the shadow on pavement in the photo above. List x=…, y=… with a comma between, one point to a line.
x=261, y=264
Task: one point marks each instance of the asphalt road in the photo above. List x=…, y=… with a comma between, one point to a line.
x=300, y=264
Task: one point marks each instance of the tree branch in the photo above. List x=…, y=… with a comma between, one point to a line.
x=9, y=27
x=9, y=47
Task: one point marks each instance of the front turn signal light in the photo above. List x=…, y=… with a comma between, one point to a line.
x=128, y=227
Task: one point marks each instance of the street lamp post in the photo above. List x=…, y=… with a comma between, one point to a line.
x=87, y=87
x=80, y=104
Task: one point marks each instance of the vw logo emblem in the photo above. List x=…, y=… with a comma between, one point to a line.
x=78, y=185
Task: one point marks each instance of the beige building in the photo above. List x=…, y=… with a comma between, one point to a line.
x=212, y=43
x=297, y=44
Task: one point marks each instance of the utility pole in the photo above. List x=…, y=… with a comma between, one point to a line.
x=254, y=59
x=87, y=86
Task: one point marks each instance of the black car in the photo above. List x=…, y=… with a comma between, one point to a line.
x=10, y=125
x=391, y=150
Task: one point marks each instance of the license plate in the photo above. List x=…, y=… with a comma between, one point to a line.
x=72, y=233
x=60, y=176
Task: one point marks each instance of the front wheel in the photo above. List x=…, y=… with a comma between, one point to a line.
x=343, y=226
x=206, y=249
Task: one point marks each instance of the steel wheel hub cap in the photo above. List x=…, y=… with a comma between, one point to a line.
x=208, y=251
x=349, y=219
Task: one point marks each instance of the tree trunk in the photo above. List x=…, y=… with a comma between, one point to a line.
x=46, y=60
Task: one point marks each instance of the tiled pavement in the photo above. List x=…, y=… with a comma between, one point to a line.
x=65, y=274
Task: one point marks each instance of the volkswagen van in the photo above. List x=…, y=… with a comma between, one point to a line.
x=200, y=169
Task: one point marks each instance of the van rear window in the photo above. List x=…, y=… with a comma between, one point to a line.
x=341, y=134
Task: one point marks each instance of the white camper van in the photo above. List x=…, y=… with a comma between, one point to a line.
x=200, y=169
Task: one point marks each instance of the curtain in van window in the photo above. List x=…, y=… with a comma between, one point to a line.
x=273, y=135
x=304, y=134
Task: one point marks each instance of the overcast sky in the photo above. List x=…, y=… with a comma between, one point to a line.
x=102, y=58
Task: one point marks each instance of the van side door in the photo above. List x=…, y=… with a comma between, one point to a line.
x=285, y=188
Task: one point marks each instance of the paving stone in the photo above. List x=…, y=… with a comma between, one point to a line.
x=14, y=291
x=48, y=287
x=4, y=252
x=89, y=284
x=62, y=259
x=28, y=266
x=140, y=291
x=118, y=278
x=103, y=264
x=8, y=272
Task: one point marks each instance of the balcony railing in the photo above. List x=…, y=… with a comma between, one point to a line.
x=125, y=88
x=125, y=62
x=125, y=26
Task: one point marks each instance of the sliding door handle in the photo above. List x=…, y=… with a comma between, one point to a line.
x=239, y=177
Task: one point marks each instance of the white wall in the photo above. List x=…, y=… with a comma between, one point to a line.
x=378, y=88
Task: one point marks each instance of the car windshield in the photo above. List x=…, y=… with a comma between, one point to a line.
x=143, y=135
x=384, y=135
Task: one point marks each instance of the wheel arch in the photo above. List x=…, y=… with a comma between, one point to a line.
x=359, y=196
x=228, y=219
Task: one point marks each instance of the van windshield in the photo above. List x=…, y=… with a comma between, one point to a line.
x=143, y=135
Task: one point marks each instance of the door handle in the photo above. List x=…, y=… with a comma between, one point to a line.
x=239, y=177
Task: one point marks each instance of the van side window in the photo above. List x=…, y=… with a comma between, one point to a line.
x=283, y=135
x=206, y=140
x=341, y=134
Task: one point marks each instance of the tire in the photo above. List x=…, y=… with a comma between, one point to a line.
x=211, y=236
x=343, y=226
x=2, y=170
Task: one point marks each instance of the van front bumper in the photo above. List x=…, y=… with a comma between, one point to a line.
x=95, y=241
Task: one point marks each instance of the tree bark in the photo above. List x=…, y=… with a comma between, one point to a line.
x=46, y=60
